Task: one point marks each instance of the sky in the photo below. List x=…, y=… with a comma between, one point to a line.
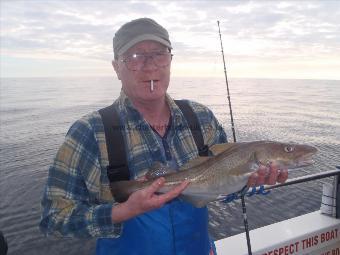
x=261, y=39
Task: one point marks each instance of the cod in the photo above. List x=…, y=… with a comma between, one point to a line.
x=225, y=172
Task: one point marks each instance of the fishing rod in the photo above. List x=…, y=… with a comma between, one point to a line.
x=226, y=81
x=244, y=209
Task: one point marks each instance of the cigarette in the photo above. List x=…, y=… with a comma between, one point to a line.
x=151, y=85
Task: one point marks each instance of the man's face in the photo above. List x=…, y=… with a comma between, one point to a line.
x=136, y=83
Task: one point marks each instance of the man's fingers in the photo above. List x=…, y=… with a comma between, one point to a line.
x=263, y=171
x=174, y=192
x=283, y=176
x=252, y=180
x=156, y=185
x=267, y=175
x=271, y=180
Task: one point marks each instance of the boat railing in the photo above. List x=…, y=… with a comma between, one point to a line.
x=265, y=189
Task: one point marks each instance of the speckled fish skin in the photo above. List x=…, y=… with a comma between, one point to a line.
x=224, y=173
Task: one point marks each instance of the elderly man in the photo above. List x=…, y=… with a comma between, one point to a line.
x=77, y=200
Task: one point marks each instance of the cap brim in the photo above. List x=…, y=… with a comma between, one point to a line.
x=144, y=37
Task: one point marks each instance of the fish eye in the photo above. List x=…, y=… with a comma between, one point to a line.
x=289, y=148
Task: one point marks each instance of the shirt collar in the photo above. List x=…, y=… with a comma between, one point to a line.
x=125, y=106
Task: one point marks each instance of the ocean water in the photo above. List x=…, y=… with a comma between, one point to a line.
x=35, y=114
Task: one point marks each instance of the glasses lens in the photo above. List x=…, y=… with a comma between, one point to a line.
x=136, y=62
x=162, y=59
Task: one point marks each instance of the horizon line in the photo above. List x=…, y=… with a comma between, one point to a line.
x=176, y=76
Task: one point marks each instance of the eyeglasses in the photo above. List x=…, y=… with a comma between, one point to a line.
x=135, y=62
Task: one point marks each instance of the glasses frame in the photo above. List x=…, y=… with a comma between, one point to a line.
x=147, y=56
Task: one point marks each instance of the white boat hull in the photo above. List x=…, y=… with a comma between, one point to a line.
x=312, y=233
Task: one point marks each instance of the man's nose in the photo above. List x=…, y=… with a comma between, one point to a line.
x=149, y=64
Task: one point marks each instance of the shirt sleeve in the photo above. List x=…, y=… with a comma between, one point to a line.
x=212, y=130
x=70, y=204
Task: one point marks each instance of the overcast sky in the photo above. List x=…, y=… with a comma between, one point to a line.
x=267, y=39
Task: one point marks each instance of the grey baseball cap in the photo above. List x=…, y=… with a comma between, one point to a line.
x=136, y=31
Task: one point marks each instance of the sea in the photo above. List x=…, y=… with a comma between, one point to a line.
x=36, y=113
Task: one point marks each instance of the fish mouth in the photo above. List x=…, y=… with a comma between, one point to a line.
x=305, y=160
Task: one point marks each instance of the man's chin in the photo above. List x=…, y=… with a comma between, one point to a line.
x=154, y=95
x=144, y=93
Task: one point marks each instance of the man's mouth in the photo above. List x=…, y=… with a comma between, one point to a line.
x=150, y=83
x=149, y=80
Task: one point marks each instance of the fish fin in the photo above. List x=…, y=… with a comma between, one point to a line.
x=157, y=170
x=197, y=200
x=253, y=163
x=194, y=162
x=121, y=190
x=221, y=147
x=247, y=168
x=253, y=158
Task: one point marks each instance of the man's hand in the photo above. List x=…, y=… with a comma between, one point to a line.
x=145, y=200
x=267, y=175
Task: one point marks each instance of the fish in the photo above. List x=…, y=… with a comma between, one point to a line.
x=226, y=171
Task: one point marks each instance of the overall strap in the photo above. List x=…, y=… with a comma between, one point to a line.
x=191, y=118
x=117, y=170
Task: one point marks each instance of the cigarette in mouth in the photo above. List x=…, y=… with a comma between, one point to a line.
x=151, y=85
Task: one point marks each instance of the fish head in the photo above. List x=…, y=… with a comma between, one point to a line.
x=284, y=155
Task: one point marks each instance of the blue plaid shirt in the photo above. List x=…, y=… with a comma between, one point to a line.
x=77, y=200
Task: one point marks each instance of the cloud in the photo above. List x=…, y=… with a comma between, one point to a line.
x=262, y=30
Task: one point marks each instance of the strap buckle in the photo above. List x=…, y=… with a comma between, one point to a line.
x=203, y=151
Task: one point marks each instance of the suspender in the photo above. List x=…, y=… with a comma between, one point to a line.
x=190, y=116
x=118, y=170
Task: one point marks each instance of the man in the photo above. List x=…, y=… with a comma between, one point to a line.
x=77, y=199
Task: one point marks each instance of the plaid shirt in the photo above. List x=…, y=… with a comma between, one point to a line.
x=77, y=200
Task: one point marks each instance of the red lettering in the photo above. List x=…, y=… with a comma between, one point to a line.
x=297, y=247
x=286, y=250
x=281, y=251
x=293, y=248
x=330, y=235
x=327, y=236
x=309, y=242
x=336, y=251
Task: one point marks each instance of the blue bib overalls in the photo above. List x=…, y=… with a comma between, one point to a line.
x=177, y=228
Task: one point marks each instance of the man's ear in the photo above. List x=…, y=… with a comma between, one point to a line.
x=116, y=68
